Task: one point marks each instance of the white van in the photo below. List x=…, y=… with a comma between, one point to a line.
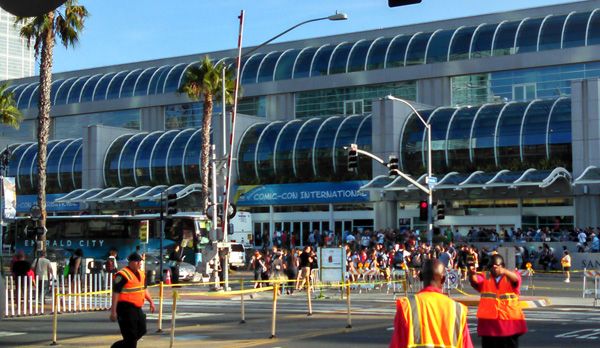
x=237, y=257
x=240, y=229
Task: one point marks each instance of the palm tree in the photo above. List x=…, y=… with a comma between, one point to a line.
x=205, y=82
x=9, y=113
x=64, y=23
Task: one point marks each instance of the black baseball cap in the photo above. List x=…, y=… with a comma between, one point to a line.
x=134, y=257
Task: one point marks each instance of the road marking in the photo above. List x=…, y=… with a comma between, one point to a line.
x=154, y=316
x=589, y=334
x=10, y=333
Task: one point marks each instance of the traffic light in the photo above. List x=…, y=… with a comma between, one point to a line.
x=393, y=166
x=352, y=160
x=441, y=211
x=396, y=3
x=171, y=204
x=423, y=210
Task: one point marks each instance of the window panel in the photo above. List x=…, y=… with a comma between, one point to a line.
x=101, y=86
x=482, y=139
x=527, y=36
x=339, y=58
x=551, y=33
x=461, y=43
x=358, y=56
x=534, y=132
x=593, y=29
x=128, y=83
x=458, y=143
x=127, y=160
x=508, y=140
x=284, y=167
x=303, y=155
x=415, y=53
x=575, y=30
x=504, y=41
x=250, y=68
x=75, y=90
x=142, y=158
x=265, y=151
x=376, y=57
x=158, y=160
x=114, y=86
x=437, y=48
x=412, y=143
x=323, y=146
x=439, y=122
x=111, y=161
x=246, y=154
x=320, y=62
x=285, y=65
x=267, y=67
x=397, y=51
x=173, y=79
x=192, y=162
x=87, y=92
x=176, y=157
x=141, y=85
x=303, y=62
x=560, y=135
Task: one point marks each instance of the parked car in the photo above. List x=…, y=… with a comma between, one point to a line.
x=237, y=256
x=186, y=270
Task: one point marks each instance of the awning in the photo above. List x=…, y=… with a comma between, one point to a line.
x=134, y=194
x=591, y=175
x=485, y=180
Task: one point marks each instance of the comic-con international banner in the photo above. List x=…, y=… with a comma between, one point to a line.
x=9, y=198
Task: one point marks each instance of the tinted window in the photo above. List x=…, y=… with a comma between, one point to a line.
x=439, y=122
x=285, y=65
x=265, y=152
x=250, y=68
x=534, y=132
x=437, y=49
x=575, y=29
x=508, y=139
x=415, y=53
x=481, y=46
x=87, y=93
x=284, y=167
x=302, y=64
x=358, y=56
x=173, y=78
x=527, y=36
x=323, y=148
x=175, y=158
x=339, y=58
x=111, y=161
x=458, y=145
x=551, y=33
x=376, y=58
x=397, y=51
x=504, y=42
x=129, y=83
x=483, y=133
x=304, y=149
x=127, y=162
x=75, y=90
x=412, y=143
x=559, y=133
x=193, y=158
x=594, y=29
x=267, y=67
x=141, y=84
x=461, y=43
x=320, y=62
x=246, y=153
x=158, y=160
x=100, y=88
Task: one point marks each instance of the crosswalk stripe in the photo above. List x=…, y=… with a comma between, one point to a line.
x=10, y=333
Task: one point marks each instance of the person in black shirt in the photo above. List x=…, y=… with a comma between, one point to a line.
x=305, y=262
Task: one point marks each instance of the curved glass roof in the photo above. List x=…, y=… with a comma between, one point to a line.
x=302, y=150
x=63, y=166
x=554, y=31
x=502, y=136
x=149, y=159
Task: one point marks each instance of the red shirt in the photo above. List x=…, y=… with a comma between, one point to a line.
x=400, y=336
x=496, y=327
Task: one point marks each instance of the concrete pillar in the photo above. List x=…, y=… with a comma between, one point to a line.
x=386, y=214
x=332, y=219
x=271, y=222
x=435, y=91
x=96, y=140
x=280, y=107
x=152, y=118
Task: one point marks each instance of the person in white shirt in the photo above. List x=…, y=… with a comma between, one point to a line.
x=582, y=237
x=43, y=270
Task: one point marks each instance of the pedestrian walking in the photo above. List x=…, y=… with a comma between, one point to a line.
x=500, y=319
x=430, y=318
x=566, y=265
x=129, y=295
x=42, y=267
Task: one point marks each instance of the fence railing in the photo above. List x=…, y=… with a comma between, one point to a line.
x=28, y=296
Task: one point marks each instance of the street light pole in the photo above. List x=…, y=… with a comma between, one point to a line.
x=429, y=167
x=334, y=17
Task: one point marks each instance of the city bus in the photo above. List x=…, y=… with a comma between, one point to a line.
x=96, y=235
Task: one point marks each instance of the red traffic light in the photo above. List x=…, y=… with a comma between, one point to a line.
x=423, y=205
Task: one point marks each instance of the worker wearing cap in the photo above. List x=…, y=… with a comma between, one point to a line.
x=129, y=295
x=500, y=319
x=430, y=318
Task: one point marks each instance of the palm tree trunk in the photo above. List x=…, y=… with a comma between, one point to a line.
x=44, y=119
x=205, y=153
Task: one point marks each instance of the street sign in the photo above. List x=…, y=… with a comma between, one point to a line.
x=432, y=181
x=452, y=279
x=144, y=231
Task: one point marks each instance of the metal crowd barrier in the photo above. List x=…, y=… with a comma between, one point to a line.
x=26, y=296
x=595, y=291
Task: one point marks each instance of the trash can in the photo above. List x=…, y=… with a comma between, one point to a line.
x=150, y=277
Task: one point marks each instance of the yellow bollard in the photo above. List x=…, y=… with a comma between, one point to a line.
x=243, y=309
x=55, y=321
x=173, y=314
x=349, y=324
x=160, y=305
x=310, y=312
x=274, y=317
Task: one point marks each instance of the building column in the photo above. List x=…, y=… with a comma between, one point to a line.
x=386, y=214
x=271, y=222
x=332, y=219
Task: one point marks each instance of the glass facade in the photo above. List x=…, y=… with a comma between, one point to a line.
x=71, y=126
x=520, y=85
x=63, y=166
x=332, y=101
x=491, y=137
x=158, y=158
x=303, y=150
x=555, y=31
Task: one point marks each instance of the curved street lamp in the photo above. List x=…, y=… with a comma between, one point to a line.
x=335, y=17
x=429, y=169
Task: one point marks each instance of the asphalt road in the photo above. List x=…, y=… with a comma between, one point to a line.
x=215, y=323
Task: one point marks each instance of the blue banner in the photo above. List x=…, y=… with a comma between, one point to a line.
x=306, y=193
x=24, y=203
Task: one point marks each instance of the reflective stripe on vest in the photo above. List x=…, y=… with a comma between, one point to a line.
x=455, y=334
x=134, y=290
x=498, y=300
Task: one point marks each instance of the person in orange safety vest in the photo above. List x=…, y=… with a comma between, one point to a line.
x=129, y=295
x=500, y=319
x=430, y=318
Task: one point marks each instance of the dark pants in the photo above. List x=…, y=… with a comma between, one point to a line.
x=500, y=342
x=132, y=322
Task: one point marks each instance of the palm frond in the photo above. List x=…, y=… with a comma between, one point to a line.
x=10, y=115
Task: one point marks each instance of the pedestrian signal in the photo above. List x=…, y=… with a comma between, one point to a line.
x=423, y=210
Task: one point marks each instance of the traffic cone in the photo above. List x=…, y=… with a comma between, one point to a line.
x=168, y=277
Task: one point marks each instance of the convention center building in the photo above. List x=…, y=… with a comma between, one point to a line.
x=512, y=98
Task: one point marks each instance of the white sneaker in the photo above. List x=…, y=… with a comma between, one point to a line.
x=567, y=281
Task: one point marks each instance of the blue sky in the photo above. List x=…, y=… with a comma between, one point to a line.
x=123, y=31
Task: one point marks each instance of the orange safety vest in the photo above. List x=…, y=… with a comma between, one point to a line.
x=134, y=290
x=434, y=320
x=566, y=261
x=498, y=301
